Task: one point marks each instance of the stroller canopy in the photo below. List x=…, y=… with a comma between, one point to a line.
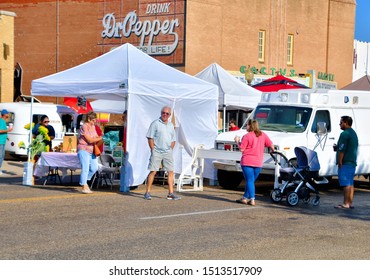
x=307, y=158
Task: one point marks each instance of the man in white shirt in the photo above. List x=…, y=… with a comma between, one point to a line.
x=161, y=140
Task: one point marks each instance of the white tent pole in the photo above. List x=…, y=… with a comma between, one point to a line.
x=124, y=169
x=224, y=119
x=30, y=132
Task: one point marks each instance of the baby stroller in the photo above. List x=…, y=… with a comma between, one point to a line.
x=296, y=181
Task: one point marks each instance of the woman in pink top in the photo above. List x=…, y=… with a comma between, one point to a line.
x=252, y=147
x=86, y=140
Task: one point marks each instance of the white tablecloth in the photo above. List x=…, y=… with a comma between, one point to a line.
x=63, y=161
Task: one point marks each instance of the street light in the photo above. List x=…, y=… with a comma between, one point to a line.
x=249, y=75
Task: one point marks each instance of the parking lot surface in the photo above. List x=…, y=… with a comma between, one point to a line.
x=55, y=222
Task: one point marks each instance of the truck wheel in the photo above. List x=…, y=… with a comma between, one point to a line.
x=229, y=179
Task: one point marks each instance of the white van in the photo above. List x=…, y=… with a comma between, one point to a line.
x=307, y=118
x=61, y=117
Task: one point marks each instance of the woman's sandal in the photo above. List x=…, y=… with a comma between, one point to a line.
x=87, y=191
x=341, y=206
x=242, y=201
x=251, y=203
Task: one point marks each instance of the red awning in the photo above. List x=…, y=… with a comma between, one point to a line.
x=277, y=83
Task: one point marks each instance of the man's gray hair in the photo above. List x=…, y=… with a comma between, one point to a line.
x=166, y=107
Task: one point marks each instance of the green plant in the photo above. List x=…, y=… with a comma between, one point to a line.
x=37, y=145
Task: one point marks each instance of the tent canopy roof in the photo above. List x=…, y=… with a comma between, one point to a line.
x=113, y=74
x=233, y=93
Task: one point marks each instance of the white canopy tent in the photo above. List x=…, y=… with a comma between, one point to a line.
x=233, y=93
x=127, y=74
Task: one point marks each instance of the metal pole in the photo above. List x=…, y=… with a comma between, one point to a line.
x=57, y=43
x=30, y=132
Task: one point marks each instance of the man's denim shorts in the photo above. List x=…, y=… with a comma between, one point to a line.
x=346, y=175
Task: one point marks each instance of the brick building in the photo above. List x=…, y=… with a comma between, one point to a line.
x=289, y=36
x=6, y=55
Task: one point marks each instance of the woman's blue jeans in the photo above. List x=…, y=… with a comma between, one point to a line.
x=250, y=175
x=89, y=165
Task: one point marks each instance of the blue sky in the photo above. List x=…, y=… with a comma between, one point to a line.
x=362, y=25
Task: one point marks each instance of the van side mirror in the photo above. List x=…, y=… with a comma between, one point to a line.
x=321, y=128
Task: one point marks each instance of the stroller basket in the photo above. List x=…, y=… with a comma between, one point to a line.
x=287, y=173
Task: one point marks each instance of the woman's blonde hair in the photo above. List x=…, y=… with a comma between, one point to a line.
x=253, y=126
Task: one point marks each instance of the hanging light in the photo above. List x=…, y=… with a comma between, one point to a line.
x=249, y=75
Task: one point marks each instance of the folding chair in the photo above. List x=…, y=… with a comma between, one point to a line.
x=106, y=172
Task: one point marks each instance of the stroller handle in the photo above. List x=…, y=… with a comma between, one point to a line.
x=275, y=155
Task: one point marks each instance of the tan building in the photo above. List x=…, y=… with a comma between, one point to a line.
x=6, y=56
x=289, y=36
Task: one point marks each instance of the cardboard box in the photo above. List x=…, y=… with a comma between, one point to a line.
x=70, y=144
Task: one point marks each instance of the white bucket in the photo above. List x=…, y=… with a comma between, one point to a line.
x=28, y=173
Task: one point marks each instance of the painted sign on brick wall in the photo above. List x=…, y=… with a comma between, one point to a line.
x=155, y=27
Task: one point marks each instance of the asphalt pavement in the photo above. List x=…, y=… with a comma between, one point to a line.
x=57, y=222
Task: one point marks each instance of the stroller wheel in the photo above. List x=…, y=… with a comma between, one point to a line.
x=316, y=201
x=292, y=199
x=276, y=196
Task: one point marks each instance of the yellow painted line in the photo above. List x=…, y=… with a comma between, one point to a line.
x=32, y=199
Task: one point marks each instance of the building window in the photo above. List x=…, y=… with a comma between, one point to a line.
x=261, y=45
x=290, y=49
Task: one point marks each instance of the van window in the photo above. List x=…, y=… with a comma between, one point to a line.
x=282, y=118
x=10, y=118
x=36, y=118
x=321, y=116
x=79, y=120
x=67, y=121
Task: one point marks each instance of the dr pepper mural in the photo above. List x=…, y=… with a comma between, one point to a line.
x=155, y=27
